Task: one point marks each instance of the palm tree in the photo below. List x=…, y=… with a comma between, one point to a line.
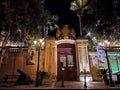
x=103, y=18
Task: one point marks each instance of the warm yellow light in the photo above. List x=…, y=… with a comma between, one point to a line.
x=41, y=40
x=43, y=43
x=106, y=41
x=100, y=43
x=35, y=42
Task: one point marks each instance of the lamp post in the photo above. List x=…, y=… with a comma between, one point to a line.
x=106, y=43
x=39, y=45
x=85, y=83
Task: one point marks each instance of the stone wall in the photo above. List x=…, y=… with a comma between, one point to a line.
x=17, y=59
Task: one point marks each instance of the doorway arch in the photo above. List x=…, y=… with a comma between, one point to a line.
x=66, y=62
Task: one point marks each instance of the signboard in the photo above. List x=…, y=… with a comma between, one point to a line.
x=101, y=54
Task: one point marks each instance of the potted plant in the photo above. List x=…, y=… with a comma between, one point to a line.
x=42, y=75
x=104, y=74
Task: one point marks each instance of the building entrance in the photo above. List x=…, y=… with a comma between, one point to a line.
x=66, y=62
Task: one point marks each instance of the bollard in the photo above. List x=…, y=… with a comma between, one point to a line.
x=62, y=79
x=62, y=84
x=85, y=84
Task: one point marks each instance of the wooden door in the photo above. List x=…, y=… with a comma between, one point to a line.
x=67, y=63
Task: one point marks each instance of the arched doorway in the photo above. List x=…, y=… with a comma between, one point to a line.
x=66, y=64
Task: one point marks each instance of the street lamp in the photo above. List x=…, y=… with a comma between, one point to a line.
x=105, y=44
x=39, y=45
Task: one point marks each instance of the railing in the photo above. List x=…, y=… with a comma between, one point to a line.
x=110, y=49
x=16, y=49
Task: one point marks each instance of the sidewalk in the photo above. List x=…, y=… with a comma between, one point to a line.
x=67, y=85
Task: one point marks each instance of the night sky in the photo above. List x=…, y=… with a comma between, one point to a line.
x=66, y=16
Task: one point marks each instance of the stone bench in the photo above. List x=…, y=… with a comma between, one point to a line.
x=10, y=78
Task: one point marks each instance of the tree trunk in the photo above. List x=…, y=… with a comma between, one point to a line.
x=3, y=47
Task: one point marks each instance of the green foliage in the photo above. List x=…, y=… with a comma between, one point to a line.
x=106, y=21
x=103, y=71
x=25, y=19
x=78, y=4
x=43, y=74
x=106, y=18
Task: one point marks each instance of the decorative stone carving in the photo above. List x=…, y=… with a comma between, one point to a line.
x=65, y=33
x=72, y=33
x=58, y=34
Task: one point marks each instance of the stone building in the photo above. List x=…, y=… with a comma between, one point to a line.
x=63, y=55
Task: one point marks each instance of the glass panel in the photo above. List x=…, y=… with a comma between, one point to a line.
x=70, y=61
x=118, y=63
x=63, y=60
x=114, y=65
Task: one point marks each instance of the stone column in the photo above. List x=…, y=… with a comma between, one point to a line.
x=46, y=62
x=50, y=56
x=82, y=55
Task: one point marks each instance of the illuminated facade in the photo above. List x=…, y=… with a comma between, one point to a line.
x=64, y=55
x=66, y=52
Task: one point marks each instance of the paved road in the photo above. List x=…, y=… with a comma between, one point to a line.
x=67, y=85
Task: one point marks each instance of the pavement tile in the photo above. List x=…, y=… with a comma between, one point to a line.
x=58, y=85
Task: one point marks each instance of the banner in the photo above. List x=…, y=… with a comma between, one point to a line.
x=101, y=54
